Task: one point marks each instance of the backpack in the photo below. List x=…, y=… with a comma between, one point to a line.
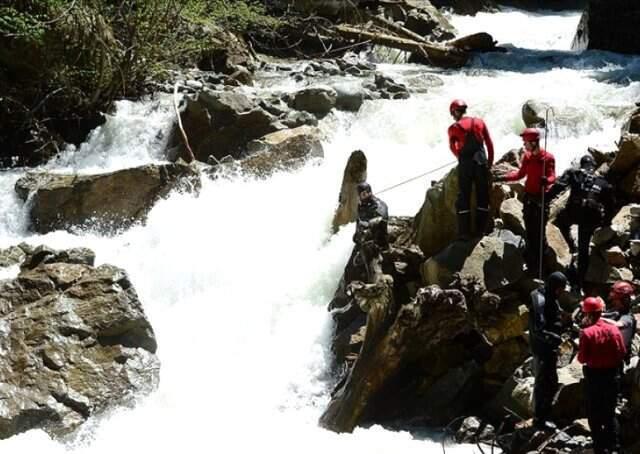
x=473, y=148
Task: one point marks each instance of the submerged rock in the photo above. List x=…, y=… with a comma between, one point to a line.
x=108, y=201
x=75, y=342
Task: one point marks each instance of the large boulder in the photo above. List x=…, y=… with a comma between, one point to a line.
x=282, y=150
x=355, y=172
x=349, y=97
x=609, y=25
x=219, y=123
x=496, y=261
x=533, y=113
x=436, y=224
x=108, y=201
x=558, y=255
x=75, y=342
x=628, y=155
x=316, y=100
x=511, y=215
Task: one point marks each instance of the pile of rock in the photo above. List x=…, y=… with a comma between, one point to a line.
x=406, y=349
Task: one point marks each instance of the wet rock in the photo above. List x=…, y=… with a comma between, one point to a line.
x=13, y=255
x=632, y=125
x=219, y=123
x=282, y=150
x=397, y=336
x=609, y=25
x=76, y=342
x=628, y=155
x=108, y=201
x=316, y=100
x=355, y=172
x=349, y=97
x=421, y=17
x=474, y=430
x=388, y=88
x=533, y=113
x=478, y=42
x=295, y=119
x=441, y=267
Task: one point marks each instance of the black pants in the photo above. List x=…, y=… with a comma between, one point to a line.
x=586, y=226
x=601, y=391
x=546, y=384
x=471, y=172
x=535, y=230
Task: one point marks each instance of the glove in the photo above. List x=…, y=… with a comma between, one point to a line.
x=544, y=181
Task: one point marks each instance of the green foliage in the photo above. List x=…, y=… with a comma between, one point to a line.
x=65, y=60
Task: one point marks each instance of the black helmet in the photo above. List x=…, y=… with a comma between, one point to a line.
x=364, y=186
x=587, y=162
x=556, y=281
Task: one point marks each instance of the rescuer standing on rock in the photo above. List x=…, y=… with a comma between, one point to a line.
x=602, y=352
x=467, y=139
x=539, y=168
x=590, y=199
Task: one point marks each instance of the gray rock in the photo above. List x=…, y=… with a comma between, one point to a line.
x=496, y=261
x=511, y=215
x=316, y=100
x=297, y=118
x=609, y=25
x=349, y=97
x=533, y=113
x=473, y=430
x=108, y=201
x=76, y=342
x=628, y=155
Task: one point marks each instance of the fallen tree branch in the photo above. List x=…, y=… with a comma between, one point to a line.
x=447, y=57
x=184, y=134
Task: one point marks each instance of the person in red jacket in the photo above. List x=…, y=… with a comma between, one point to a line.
x=467, y=138
x=601, y=351
x=539, y=168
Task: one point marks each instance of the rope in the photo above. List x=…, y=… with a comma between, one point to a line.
x=402, y=183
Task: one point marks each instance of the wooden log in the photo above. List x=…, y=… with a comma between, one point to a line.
x=437, y=55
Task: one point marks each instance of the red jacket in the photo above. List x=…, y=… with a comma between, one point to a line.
x=458, y=131
x=531, y=167
x=601, y=346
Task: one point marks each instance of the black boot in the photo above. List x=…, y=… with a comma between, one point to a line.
x=481, y=222
x=464, y=226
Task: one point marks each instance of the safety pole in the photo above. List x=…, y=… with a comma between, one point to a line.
x=543, y=224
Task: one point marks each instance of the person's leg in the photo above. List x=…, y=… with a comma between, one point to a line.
x=463, y=203
x=531, y=214
x=609, y=391
x=545, y=386
x=585, y=232
x=481, y=180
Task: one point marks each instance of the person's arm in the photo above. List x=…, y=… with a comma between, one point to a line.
x=550, y=172
x=620, y=347
x=487, y=140
x=518, y=174
x=583, y=352
x=561, y=184
x=454, y=141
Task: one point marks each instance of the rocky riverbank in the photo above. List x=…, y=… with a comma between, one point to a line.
x=438, y=336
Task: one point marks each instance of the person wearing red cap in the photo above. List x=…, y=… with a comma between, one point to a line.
x=539, y=168
x=467, y=139
x=620, y=296
x=601, y=351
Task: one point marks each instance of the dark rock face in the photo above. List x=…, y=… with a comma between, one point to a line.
x=75, y=342
x=609, y=25
x=107, y=201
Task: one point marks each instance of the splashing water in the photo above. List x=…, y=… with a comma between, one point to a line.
x=235, y=281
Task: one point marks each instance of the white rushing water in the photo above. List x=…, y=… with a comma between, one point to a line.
x=236, y=280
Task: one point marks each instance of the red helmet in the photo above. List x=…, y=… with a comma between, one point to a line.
x=530, y=135
x=457, y=104
x=592, y=304
x=622, y=289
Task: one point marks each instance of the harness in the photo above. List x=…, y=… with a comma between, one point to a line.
x=473, y=148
